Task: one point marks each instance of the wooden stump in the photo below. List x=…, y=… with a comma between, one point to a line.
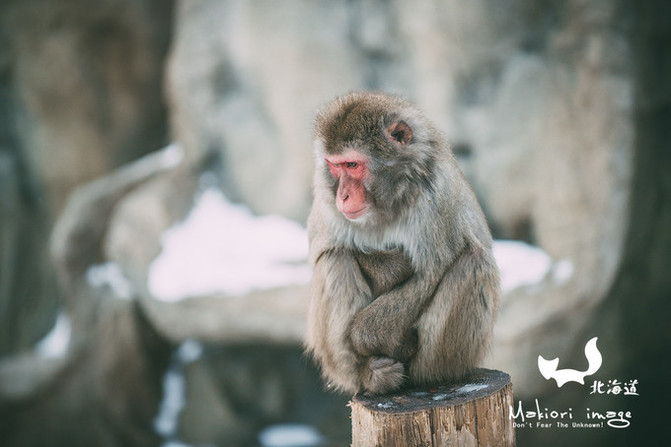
x=473, y=411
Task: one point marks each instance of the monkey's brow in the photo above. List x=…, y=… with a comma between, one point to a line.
x=350, y=156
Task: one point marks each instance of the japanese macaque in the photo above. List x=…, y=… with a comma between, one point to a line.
x=405, y=286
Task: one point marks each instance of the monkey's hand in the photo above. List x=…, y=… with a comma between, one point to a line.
x=371, y=336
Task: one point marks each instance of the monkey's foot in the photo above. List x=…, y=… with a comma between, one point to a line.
x=383, y=375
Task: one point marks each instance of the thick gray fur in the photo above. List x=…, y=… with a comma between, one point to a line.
x=407, y=294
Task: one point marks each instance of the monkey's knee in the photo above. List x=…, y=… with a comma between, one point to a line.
x=381, y=375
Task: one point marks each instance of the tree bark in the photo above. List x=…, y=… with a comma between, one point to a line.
x=474, y=411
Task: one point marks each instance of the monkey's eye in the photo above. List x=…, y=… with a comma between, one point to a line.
x=355, y=169
x=334, y=168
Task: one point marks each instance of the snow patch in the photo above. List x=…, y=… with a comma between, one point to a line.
x=55, y=343
x=163, y=159
x=471, y=387
x=174, y=391
x=172, y=403
x=189, y=351
x=562, y=271
x=222, y=248
x=520, y=264
x=290, y=435
x=523, y=265
x=171, y=156
x=176, y=444
x=110, y=274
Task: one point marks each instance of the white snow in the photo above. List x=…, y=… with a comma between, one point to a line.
x=222, y=248
x=174, y=390
x=189, y=351
x=165, y=159
x=172, y=403
x=523, y=265
x=562, y=271
x=176, y=444
x=290, y=435
x=55, y=343
x=471, y=387
x=171, y=155
x=110, y=275
x=385, y=405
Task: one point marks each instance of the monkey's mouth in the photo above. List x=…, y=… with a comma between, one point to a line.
x=355, y=214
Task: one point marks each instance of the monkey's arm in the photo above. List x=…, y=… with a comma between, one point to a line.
x=386, y=326
x=339, y=291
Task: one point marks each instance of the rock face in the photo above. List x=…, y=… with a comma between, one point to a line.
x=28, y=293
x=106, y=375
x=243, y=87
x=86, y=85
x=80, y=94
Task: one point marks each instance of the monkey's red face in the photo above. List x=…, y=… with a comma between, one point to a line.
x=350, y=170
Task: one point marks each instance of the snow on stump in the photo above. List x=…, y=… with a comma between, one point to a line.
x=473, y=411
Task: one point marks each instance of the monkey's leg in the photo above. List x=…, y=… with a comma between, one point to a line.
x=455, y=330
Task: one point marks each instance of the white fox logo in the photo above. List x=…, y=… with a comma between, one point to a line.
x=548, y=368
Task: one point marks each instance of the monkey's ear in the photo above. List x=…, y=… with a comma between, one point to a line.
x=399, y=132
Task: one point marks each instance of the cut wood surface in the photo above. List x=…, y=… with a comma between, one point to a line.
x=473, y=411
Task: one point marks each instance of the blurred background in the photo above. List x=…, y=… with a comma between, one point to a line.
x=155, y=173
